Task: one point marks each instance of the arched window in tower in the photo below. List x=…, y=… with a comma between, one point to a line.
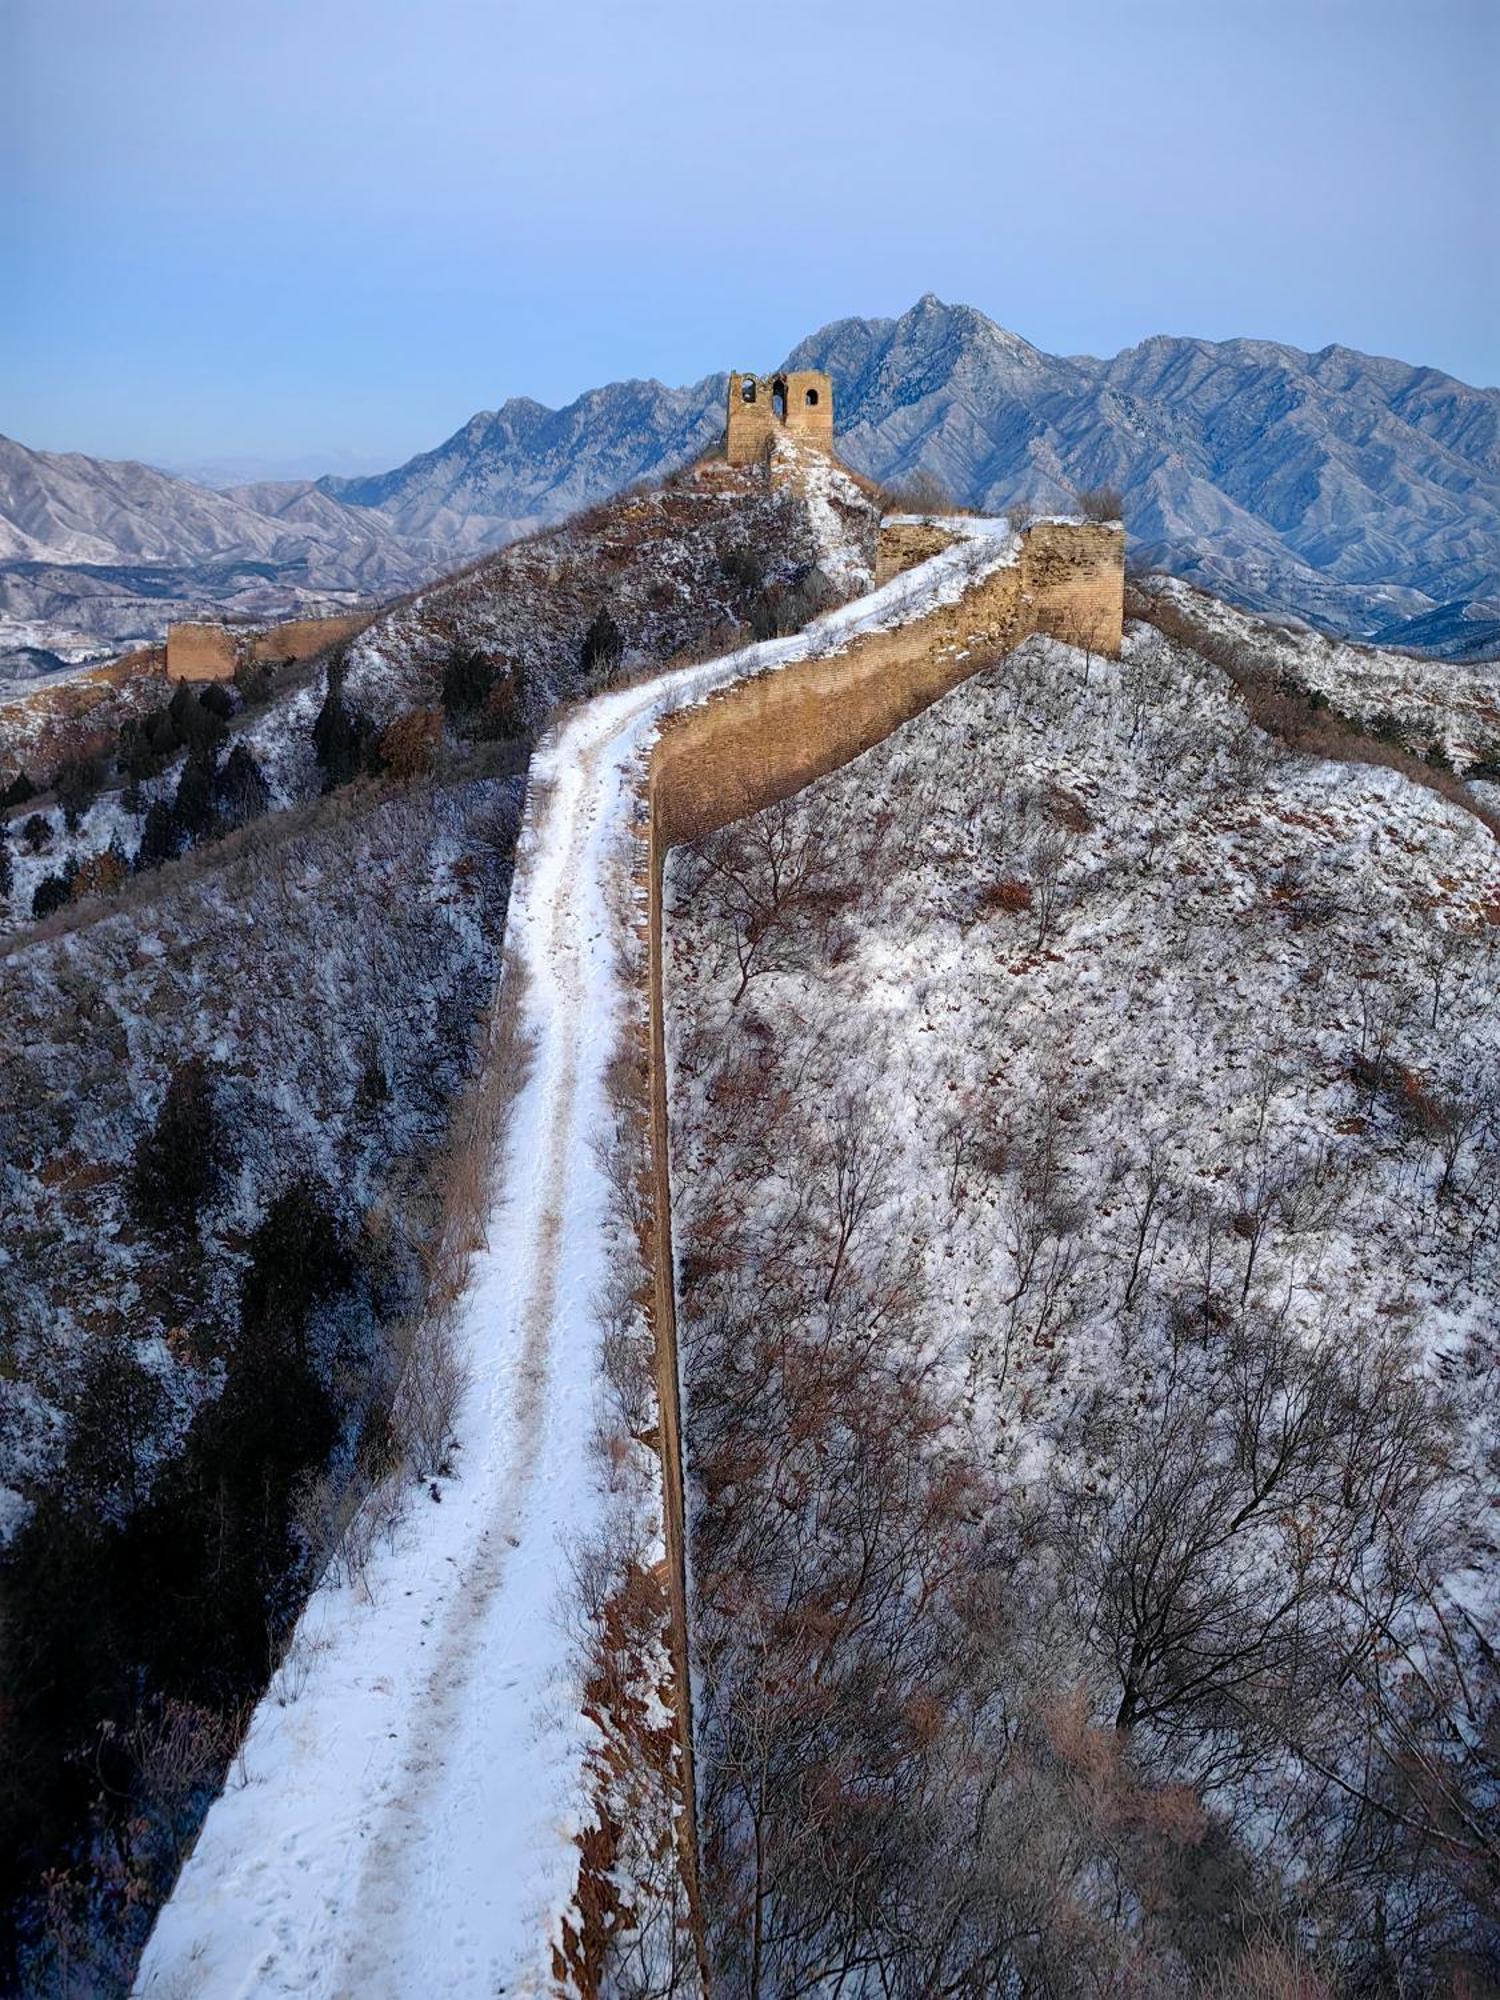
x=811, y=399
x=747, y=389
x=778, y=396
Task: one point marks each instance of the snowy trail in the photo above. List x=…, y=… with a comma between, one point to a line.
x=405, y=1825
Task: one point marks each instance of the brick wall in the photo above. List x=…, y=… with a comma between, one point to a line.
x=207, y=652
x=201, y=652
x=904, y=544
x=760, y=741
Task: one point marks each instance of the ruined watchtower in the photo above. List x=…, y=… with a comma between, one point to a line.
x=799, y=402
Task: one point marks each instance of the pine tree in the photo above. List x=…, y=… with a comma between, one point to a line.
x=51, y=893
x=299, y=1255
x=115, y=1423
x=339, y=733
x=77, y=786
x=241, y=788
x=178, y=1165
x=468, y=676
x=159, y=836
x=195, y=718
x=137, y=760
x=193, y=807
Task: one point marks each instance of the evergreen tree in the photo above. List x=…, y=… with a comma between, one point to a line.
x=299, y=1256
x=178, y=1165
x=162, y=735
x=77, y=786
x=18, y=791
x=159, y=837
x=216, y=700
x=137, y=761
x=603, y=648
x=468, y=676
x=339, y=733
x=37, y=832
x=115, y=1423
x=241, y=788
x=51, y=893
x=196, y=721
x=193, y=807
x=7, y=866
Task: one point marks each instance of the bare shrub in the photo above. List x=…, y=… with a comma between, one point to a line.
x=408, y=746
x=1100, y=503
x=434, y=1378
x=762, y=872
x=922, y=493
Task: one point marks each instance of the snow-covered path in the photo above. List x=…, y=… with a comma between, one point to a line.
x=404, y=1826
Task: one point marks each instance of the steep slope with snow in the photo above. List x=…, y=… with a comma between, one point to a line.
x=1086, y=1161
x=407, y=1822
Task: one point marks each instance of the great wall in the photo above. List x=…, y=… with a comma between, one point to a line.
x=759, y=740
x=485, y=1789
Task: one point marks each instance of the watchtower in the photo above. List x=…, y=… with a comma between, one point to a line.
x=799, y=402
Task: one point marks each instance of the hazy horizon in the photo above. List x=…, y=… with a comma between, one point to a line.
x=325, y=236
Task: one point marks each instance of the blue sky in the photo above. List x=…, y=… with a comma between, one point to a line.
x=328, y=231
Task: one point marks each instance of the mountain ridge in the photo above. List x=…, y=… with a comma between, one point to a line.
x=1358, y=492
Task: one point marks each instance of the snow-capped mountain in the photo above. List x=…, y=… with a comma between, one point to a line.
x=523, y=466
x=113, y=549
x=1360, y=492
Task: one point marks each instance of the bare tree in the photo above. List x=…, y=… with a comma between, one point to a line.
x=765, y=870
x=1100, y=503
x=857, y=1160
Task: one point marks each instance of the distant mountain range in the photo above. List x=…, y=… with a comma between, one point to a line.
x=109, y=551
x=1362, y=494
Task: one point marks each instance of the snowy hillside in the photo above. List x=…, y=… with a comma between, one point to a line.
x=253, y=941
x=1087, y=1169
x=1448, y=711
x=408, y=1818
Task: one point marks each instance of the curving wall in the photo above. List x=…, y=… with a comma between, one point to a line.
x=759, y=741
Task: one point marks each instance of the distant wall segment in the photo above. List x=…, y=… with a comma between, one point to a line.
x=212, y=652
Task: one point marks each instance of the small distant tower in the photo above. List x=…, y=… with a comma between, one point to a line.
x=800, y=402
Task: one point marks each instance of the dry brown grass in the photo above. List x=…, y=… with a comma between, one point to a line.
x=433, y=1371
